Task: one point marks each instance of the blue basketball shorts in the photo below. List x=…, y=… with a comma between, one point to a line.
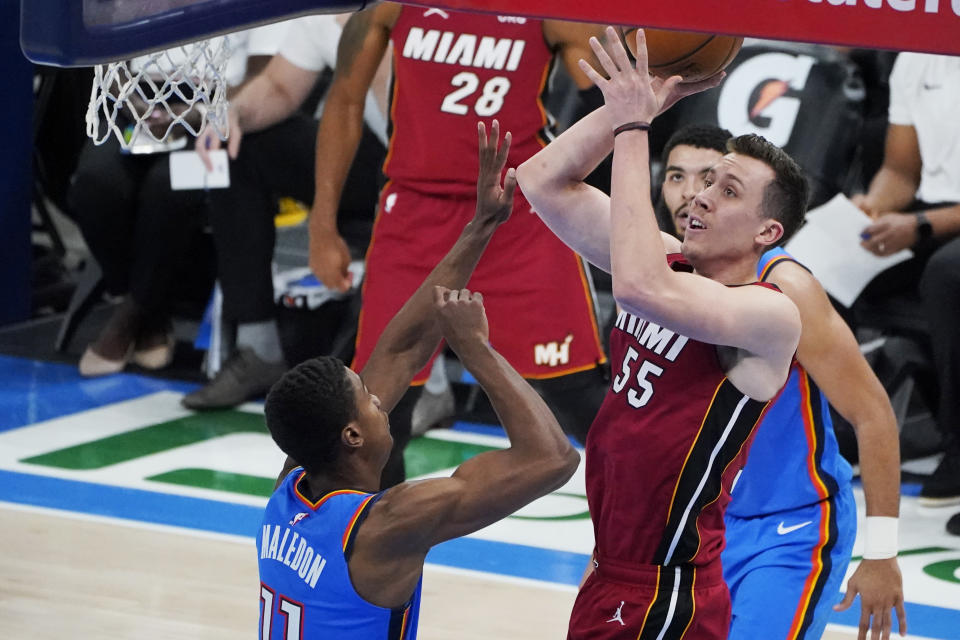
x=784, y=570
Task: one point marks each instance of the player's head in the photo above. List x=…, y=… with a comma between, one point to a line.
x=754, y=198
x=321, y=411
x=686, y=158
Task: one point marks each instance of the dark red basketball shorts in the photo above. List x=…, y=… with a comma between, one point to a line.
x=537, y=296
x=650, y=602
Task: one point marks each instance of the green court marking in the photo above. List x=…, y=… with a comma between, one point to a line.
x=427, y=455
x=946, y=570
x=150, y=440
x=219, y=480
x=583, y=515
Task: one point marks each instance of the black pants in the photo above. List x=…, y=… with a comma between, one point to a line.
x=140, y=231
x=933, y=277
x=273, y=163
x=940, y=293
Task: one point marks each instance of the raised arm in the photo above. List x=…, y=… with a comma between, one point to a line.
x=830, y=354
x=765, y=325
x=414, y=333
x=364, y=40
x=414, y=516
x=553, y=183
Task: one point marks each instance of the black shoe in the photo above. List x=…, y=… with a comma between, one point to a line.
x=953, y=524
x=942, y=488
x=242, y=377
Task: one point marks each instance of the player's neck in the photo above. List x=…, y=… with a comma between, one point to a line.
x=729, y=272
x=320, y=484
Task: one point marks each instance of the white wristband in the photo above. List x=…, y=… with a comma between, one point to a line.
x=880, y=538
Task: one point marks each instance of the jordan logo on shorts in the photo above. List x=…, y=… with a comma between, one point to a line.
x=617, y=617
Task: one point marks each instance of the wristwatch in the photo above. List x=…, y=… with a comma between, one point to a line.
x=924, y=228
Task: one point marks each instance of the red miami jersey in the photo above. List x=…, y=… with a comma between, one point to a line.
x=451, y=70
x=665, y=447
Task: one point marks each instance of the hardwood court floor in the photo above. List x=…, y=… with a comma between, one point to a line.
x=66, y=576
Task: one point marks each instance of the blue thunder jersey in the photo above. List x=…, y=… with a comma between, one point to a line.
x=305, y=587
x=795, y=460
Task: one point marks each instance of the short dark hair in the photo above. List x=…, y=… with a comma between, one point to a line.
x=308, y=408
x=701, y=136
x=785, y=197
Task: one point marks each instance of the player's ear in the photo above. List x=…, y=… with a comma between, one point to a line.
x=351, y=437
x=771, y=232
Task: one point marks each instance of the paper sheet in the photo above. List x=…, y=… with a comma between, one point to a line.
x=829, y=245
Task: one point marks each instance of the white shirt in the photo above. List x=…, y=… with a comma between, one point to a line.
x=260, y=41
x=311, y=44
x=924, y=94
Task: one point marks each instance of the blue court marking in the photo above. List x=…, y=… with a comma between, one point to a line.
x=33, y=391
x=503, y=558
x=244, y=520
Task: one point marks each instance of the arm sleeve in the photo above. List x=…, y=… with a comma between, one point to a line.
x=900, y=91
x=311, y=42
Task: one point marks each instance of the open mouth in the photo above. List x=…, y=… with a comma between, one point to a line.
x=695, y=223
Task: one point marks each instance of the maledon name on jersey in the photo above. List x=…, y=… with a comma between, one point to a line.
x=795, y=443
x=664, y=449
x=305, y=587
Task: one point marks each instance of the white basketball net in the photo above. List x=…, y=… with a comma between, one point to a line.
x=148, y=97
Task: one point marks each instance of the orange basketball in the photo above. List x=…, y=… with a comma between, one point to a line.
x=695, y=56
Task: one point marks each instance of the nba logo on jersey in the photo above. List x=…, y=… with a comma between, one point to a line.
x=297, y=518
x=512, y=19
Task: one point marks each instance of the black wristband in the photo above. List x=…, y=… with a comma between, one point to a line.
x=631, y=126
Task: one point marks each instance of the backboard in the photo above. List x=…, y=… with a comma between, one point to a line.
x=89, y=32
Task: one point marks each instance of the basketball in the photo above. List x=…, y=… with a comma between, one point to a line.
x=695, y=56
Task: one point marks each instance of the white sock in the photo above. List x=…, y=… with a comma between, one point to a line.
x=437, y=382
x=263, y=338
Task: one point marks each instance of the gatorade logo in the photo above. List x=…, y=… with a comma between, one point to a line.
x=762, y=95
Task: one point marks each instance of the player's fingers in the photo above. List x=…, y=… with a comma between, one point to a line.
x=864, y=623
x=478, y=297
x=901, y=617
x=504, y=151
x=603, y=57
x=591, y=73
x=617, y=50
x=509, y=184
x=642, y=64
x=848, y=599
x=887, y=623
x=464, y=295
x=494, y=136
x=485, y=150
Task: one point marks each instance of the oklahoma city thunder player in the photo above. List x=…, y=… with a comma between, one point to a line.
x=338, y=557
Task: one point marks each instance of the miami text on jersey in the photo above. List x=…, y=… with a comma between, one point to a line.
x=465, y=49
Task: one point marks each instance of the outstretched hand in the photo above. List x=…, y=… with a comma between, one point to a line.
x=462, y=317
x=881, y=591
x=494, y=202
x=631, y=94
